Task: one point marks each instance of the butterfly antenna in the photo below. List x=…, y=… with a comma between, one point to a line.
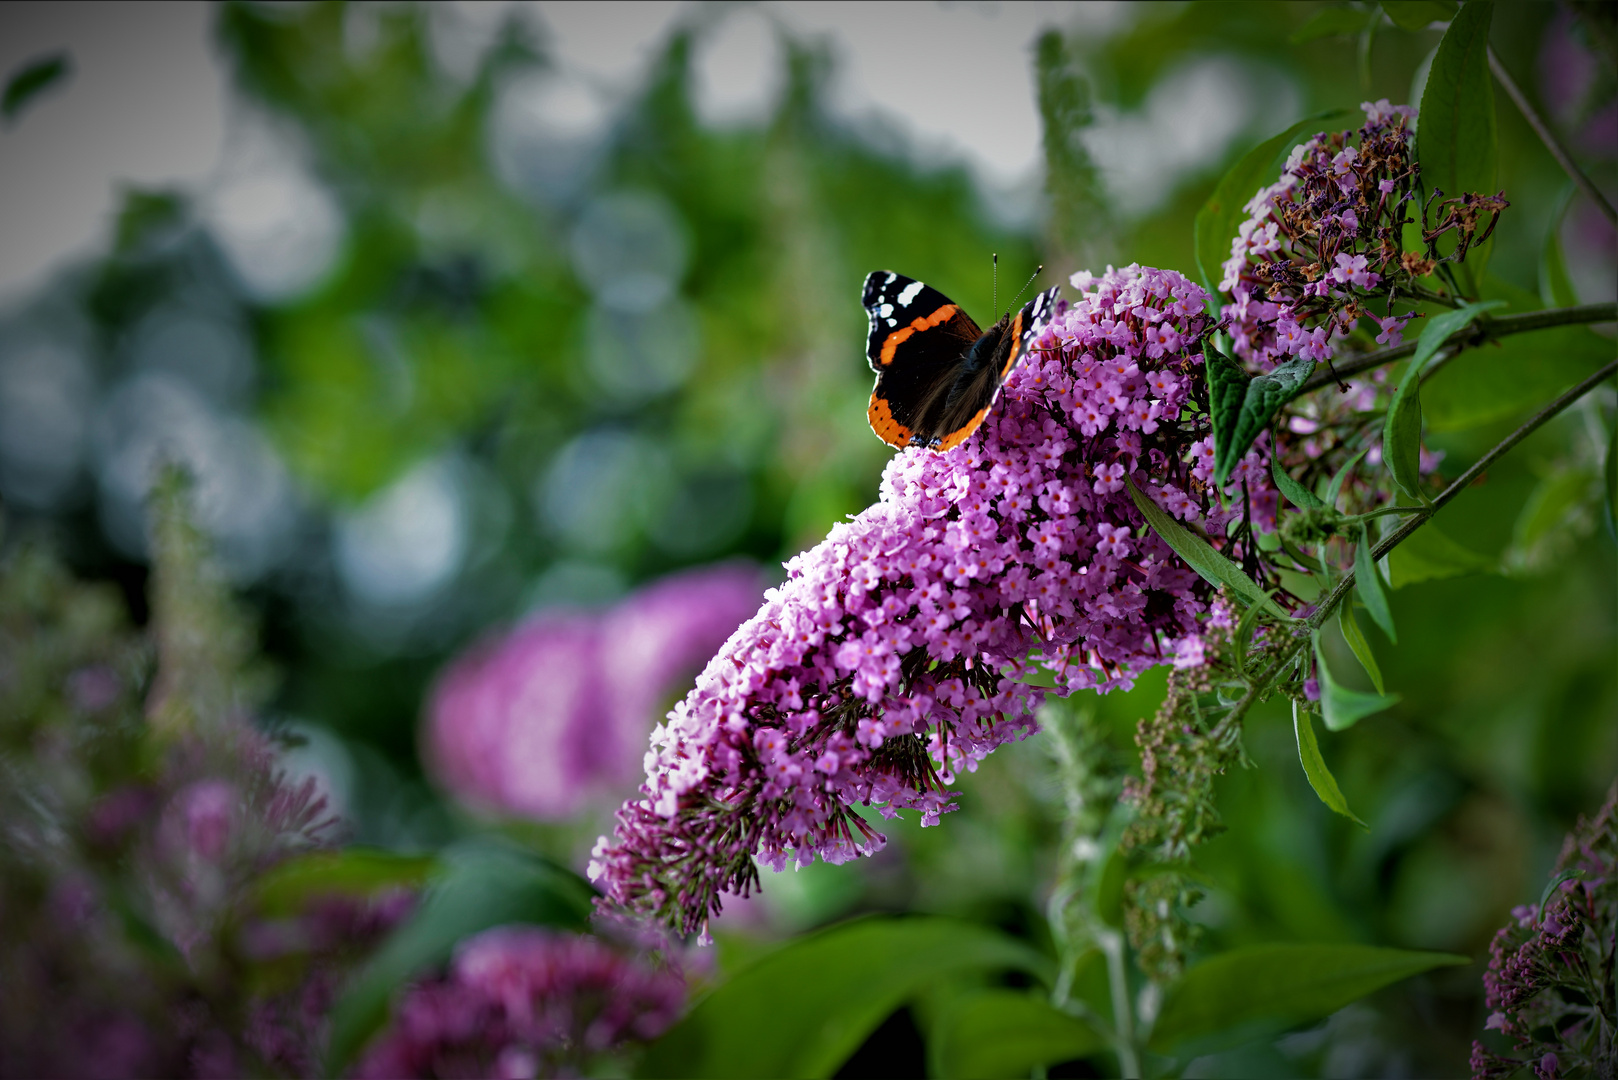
x=1027, y=283
x=994, y=277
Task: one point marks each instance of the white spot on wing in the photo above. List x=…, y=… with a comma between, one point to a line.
x=909, y=293
x=886, y=310
x=892, y=277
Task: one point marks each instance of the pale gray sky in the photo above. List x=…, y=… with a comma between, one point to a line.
x=148, y=102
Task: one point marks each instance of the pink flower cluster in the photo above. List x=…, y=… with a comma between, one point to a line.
x=537, y=721
x=522, y=1002
x=1320, y=238
x=890, y=658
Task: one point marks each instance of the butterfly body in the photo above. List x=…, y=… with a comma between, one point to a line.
x=937, y=373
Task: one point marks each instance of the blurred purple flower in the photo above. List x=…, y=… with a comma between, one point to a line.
x=208, y=806
x=93, y=687
x=524, y=1002
x=538, y=720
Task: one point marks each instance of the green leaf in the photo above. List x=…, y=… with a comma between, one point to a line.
x=802, y=1010
x=1314, y=767
x=1401, y=430
x=354, y=871
x=1356, y=641
x=33, y=80
x=1340, y=706
x=1109, y=899
x=1418, y=14
x=1401, y=434
x=1200, y=555
x=1263, y=396
x=1555, y=286
x=1278, y=985
x=1368, y=583
x=481, y=887
x=1513, y=374
x=1227, y=389
x=1296, y=493
x=1548, y=506
x=1221, y=215
x=1456, y=141
x=1611, y=471
x=1005, y=1033
x=1335, y=488
x=1427, y=555
x=1439, y=328
x=1329, y=22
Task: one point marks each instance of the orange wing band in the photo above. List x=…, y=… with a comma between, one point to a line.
x=886, y=427
x=960, y=434
x=903, y=334
x=1015, y=332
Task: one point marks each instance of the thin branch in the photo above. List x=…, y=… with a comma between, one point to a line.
x=1261, y=685
x=1548, y=137
x=1476, y=334
x=1462, y=482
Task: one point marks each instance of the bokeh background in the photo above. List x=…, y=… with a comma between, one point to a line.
x=472, y=316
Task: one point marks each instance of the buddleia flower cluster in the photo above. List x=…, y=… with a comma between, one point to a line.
x=891, y=659
x=1549, y=985
x=1323, y=244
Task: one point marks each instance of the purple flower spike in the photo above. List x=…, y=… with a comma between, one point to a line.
x=888, y=661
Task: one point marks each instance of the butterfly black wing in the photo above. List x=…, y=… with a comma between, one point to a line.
x=917, y=344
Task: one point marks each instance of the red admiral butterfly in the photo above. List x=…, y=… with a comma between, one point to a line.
x=937, y=373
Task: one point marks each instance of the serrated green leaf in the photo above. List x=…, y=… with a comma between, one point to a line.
x=1314, y=767
x=481, y=887
x=33, y=80
x=1275, y=986
x=1368, y=583
x=1296, y=493
x=1456, y=144
x=1361, y=647
x=1418, y=14
x=803, y=1009
x=1263, y=396
x=1217, y=221
x=1200, y=555
x=990, y=1033
x=1335, y=488
x=1331, y=21
x=1513, y=374
x=1427, y=555
x=1555, y=286
x=1340, y=706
